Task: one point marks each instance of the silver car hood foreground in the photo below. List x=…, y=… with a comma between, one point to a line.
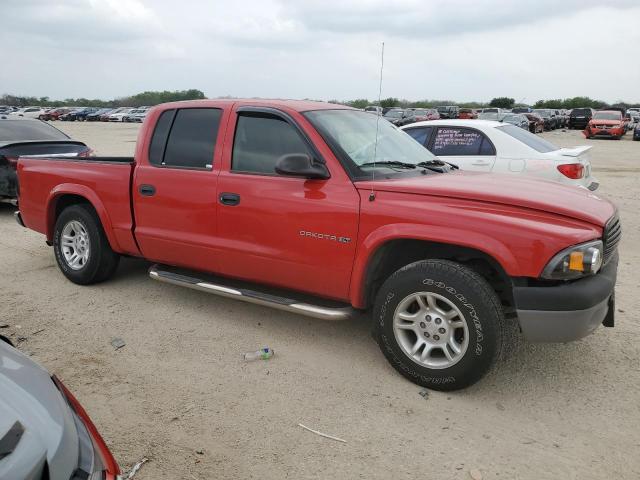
x=29, y=396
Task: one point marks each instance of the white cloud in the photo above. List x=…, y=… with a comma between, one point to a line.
x=456, y=49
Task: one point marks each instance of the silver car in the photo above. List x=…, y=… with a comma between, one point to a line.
x=44, y=432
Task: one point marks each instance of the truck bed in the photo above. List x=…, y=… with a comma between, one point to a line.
x=104, y=181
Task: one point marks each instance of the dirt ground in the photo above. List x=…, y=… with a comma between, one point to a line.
x=180, y=394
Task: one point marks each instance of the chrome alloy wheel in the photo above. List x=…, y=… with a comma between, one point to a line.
x=431, y=330
x=74, y=243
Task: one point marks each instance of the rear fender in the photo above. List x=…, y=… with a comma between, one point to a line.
x=91, y=197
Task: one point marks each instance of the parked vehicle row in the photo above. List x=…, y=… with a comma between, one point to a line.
x=89, y=114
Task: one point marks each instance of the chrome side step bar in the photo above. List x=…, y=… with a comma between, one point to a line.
x=162, y=274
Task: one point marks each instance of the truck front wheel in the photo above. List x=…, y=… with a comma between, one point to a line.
x=81, y=248
x=439, y=324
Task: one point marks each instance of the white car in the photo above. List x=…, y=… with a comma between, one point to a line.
x=28, y=112
x=489, y=146
x=119, y=114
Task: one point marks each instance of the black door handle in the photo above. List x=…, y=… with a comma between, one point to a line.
x=231, y=199
x=147, y=190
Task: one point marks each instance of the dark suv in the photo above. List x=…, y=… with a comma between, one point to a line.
x=448, y=111
x=580, y=117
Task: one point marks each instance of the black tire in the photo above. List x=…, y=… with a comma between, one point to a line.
x=102, y=261
x=470, y=294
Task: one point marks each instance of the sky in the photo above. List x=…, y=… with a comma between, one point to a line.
x=462, y=50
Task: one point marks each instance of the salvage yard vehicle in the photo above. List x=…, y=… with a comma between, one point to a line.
x=448, y=111
x=394, y=115
x=44, y=431
x=25, y=136
x=606, y=123
x=283, y=203
x=580, y=117
x=95, y=116
x=28, y=112
x=536, y=124
x=119, y=114
x=517, y=119
x=549, y=118
x=499, y=147
x=636, y=132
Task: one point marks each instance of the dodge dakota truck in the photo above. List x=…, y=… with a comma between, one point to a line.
x=325, y=211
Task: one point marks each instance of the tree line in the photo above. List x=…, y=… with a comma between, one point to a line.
x=145, y=98
x=155, y=97
x=500, y=102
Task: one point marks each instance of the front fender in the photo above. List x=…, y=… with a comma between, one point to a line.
x=491, y=246
x=88, y=194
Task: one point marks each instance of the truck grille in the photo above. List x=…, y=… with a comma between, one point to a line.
x=611, y=237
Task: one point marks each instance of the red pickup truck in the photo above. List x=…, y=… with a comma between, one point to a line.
x=324, y=210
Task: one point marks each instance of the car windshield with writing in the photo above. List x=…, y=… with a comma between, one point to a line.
x=352, y=137
x=607, y=116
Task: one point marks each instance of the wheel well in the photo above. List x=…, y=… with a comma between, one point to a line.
x=64, y=201
x=395, y=254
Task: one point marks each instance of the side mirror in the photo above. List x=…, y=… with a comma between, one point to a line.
x=301, y=165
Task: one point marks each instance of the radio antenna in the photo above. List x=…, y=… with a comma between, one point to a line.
x=372, y=195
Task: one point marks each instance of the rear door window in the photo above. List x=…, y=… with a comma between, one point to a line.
x=185, y=138
x=457, y=141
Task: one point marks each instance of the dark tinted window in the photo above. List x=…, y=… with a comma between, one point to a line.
x=261, y=140
x=420, y=135
x=22, y=130
x=159, y=139
x=461, y=141
x=192, y=139
x=581, y=112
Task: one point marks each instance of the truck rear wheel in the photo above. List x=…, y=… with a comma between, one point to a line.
x=439, y=324
x=81, y=247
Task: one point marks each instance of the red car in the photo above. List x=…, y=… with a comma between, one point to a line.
x=286, y=204
x=606, y=123
x=467, y=113
x=54, y=113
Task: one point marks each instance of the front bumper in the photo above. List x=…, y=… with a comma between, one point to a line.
x=569, y=311
x=606, y=132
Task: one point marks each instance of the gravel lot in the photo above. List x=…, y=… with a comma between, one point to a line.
x=179, y=393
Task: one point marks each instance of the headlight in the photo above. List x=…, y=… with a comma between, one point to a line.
x=574, y=262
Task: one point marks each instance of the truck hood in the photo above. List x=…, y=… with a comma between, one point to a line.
x=531, y=193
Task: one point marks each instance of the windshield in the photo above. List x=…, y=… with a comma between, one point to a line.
x=534, y=141
x=607, y=116
x=419, y=112
x=24, y=130
x=394, y=114
x=354, y=133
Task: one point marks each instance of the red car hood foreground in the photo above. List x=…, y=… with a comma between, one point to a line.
x=513, y=190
